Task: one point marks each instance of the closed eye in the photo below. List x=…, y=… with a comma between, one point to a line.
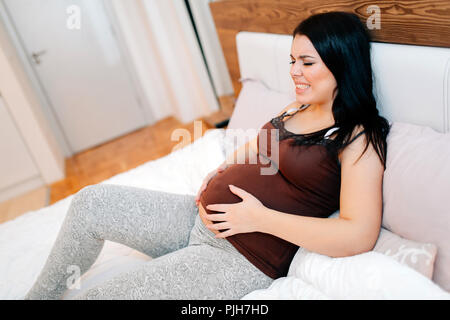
x=305, y=64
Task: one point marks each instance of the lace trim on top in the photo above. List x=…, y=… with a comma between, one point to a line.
x=305, y=138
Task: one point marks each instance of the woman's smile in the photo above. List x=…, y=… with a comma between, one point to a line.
x=299, y=89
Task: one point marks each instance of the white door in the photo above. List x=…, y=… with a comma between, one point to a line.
x=76, y=57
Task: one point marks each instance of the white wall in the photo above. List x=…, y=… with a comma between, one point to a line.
x=24, y=108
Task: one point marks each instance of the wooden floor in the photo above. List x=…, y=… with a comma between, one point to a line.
x=127, y=152
x=102, y=162
x=32, y=200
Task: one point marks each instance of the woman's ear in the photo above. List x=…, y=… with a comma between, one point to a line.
x=335, y=93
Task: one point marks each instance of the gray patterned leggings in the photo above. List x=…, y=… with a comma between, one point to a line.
x=188, y=262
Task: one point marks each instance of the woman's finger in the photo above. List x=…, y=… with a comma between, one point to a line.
x=224, y=234
x=199, y=191
x=212, y=175
x=205, y=184
x=216, y=217
x=220, y=207
x=219, y=226
x=202, y=187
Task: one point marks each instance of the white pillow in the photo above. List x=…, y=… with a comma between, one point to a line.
x=256, y=105
x=370, y=275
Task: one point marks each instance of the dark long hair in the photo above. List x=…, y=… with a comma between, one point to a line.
x=343, y=44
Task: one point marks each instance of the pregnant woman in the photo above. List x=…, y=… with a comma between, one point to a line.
x=243, y=228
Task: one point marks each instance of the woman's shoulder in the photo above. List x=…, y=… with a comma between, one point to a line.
x=358, y=131
x=356, y=139
x=357, y=145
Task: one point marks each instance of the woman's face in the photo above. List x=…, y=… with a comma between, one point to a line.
x=313, y=81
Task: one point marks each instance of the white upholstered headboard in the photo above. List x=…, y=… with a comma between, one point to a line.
x=412, y=83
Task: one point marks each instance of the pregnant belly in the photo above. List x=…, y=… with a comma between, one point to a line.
x=274, y=192
x=244, y=176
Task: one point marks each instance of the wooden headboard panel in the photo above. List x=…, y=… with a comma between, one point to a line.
x=421, y=22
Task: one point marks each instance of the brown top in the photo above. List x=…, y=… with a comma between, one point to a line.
x=306, y=182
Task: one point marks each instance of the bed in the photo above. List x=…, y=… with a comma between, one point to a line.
x=411, y=259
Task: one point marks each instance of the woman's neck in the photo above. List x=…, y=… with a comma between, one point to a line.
x=319, y=113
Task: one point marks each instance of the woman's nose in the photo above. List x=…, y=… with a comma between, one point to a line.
x=296, y=70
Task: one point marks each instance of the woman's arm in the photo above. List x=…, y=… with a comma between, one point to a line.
x=357, y=228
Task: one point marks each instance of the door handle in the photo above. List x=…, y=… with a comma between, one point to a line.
x=36, y=56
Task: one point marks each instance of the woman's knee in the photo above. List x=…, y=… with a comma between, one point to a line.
x=89, y=199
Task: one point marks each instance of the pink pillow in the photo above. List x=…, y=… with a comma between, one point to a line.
x=416, y=255
x=416, y=188
x=256, y=105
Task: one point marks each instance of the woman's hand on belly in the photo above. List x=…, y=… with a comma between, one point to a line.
x=202, y=213
x=242, y=217
x=210, y=175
